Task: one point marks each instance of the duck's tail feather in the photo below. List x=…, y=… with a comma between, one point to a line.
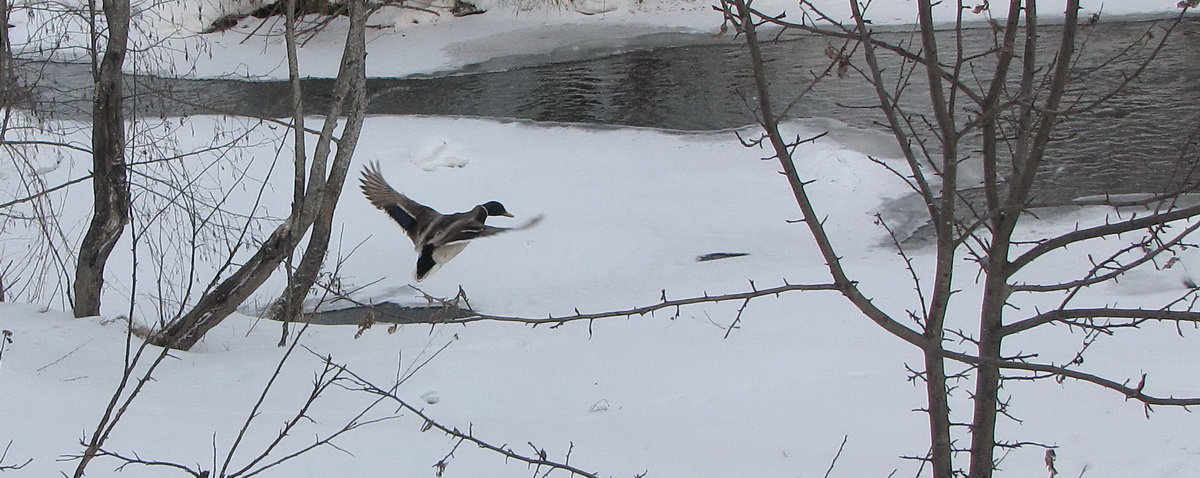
x=425, y=263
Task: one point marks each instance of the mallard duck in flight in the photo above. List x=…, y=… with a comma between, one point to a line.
x=438, y=237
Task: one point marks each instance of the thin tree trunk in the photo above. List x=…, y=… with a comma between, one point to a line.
x=300, y=153
x=223, y=300
x=995, y=289
x=1031, y=147
x=305, y=275
x=935, y=368
x=987, y=375
x=7, y=77
x=110, y=182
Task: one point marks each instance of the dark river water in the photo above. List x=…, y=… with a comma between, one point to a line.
x=1128, y=144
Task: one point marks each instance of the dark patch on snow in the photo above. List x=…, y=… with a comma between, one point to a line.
x=712, y=256
x=388, y=312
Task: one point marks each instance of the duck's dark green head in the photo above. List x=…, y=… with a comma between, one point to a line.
x=494, y=208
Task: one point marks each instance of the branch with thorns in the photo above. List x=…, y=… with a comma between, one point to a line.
x=639, y=311
x=1132, y=393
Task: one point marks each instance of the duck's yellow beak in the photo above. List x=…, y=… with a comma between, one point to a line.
x=507, y=214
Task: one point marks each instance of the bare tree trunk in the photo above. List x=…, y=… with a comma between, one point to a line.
x=936, y=391
x=305, y=275
x=7, y=78
x=300, y=159
x=301, y=280
x=1032, y=143
x=987, y=377
x=319, y=199
x=110, y=183
x=941, y=213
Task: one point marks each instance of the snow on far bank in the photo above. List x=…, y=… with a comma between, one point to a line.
x=627, y=213
x=405, y=42
x=409, y=44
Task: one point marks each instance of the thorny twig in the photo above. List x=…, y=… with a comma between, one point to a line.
x=4, y=455
x=357, y=382
x=1133, y=393
x=649, y=309
x=833, y=462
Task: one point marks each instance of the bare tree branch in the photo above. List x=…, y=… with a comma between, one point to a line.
x=1115, y=269
x=1100, y=231
x=4, y=454
x=649, y=309
x=1100, y=313
x=746, y=18
x=1133, y=393
x=138, y=460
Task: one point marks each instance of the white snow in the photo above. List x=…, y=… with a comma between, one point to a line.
x=664, y=393
x=627, y=211
x=439, y=153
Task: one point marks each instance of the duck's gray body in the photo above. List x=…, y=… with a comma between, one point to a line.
x=436, y=237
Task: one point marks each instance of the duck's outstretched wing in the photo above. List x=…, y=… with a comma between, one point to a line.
x=480, y=230
x=410, y=214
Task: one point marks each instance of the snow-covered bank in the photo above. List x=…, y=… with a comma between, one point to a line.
x=527, y=37
x=412, y=43
x=627, y=212
x=406, y=42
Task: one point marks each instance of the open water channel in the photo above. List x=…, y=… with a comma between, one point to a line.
x=1130, y=144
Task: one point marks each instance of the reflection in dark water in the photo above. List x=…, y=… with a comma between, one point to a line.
x=1127, y=144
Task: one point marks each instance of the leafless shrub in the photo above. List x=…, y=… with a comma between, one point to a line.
x=977, y=107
